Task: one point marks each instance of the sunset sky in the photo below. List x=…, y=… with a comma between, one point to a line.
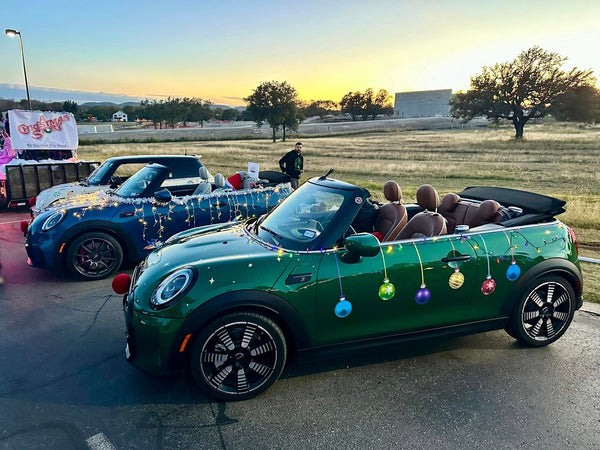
x=221, y=50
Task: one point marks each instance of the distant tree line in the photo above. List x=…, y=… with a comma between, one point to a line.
x=531, y=86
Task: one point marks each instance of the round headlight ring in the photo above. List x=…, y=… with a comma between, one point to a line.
x=53, y=220
x=172, y=287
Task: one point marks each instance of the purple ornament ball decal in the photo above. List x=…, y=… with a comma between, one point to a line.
x=423, y=295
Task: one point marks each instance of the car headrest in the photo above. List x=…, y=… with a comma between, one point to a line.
x=203, y=173
x=427, y=197
x=392, y=191
x=449, y=202
x=219, y=180
x=487, y=209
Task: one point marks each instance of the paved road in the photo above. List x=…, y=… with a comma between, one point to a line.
x=64, y=384
x=241, y=130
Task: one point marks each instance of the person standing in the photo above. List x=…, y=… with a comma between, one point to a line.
x=292, y=164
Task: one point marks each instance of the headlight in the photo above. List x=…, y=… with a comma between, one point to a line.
x=172, y=287
x=53, y=220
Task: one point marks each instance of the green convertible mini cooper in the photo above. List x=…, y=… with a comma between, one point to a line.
x=230, y=302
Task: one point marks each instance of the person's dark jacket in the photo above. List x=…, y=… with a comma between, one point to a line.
x=292, y=163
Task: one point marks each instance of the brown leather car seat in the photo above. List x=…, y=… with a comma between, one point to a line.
x=391, y=216
x=489, y=211
x=427, y=223
x=464, y=212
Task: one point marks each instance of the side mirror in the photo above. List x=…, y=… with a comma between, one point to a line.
x=361, y=244
x=163, y=196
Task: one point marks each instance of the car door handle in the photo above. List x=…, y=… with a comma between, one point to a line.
x=220, y=204
x=456, y=258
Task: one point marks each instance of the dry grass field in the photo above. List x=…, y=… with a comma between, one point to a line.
x=561, y=160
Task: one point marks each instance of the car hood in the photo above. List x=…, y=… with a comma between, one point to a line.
x=95, y=196
x=225, y=260
x=48, y=196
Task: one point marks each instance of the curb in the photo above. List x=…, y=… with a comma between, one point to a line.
x=591, y=307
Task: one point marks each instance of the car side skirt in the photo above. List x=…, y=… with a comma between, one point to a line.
x=430, y=333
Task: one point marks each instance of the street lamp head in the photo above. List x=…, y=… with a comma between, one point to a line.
x=11, y=33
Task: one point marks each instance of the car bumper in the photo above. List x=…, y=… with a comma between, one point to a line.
x=153, y=344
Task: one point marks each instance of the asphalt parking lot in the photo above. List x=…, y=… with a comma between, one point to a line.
x=64, y=383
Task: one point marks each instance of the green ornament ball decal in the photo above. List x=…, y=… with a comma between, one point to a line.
x=386, y=290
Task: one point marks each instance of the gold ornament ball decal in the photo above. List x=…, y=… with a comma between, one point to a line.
x=456, y=280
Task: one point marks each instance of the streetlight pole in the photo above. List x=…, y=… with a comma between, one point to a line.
x=12, y=33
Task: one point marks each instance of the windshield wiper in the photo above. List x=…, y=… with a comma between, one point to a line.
x=278, y=237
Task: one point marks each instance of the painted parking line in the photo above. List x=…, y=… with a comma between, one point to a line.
x=99, y=442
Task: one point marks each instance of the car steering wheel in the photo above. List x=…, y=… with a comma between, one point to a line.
x=307, y=229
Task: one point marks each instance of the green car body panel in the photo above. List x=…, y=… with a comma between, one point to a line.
x=235, y=269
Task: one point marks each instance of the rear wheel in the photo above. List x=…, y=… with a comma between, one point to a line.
x=544, y=313
x=238, y=356
x=93, y=256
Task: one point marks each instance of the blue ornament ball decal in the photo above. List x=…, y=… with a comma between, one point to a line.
x=423, y=295
x=513, y=272
x=343, y=308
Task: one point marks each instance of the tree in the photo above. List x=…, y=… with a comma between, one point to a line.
x=154, y=111
x=581, y=104
x=70, y=106
x=275, y=103
x=352, y=103
x=319, y=108
x=199, y=111
x=519, y=90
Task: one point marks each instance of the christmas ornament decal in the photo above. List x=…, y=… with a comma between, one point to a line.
x=343, y=308
x=423, y=294
x=387, y=290
x=514, y=271
x=456, y=279
x=489, y=285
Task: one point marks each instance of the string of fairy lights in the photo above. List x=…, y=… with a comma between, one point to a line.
x=477, y=242
x=153, y=215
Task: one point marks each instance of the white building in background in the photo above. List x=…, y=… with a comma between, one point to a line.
x=119, y=116
x=423, y=103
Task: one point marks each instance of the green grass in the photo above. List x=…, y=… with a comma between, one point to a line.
x=561, y=160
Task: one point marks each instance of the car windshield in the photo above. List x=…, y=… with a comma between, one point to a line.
x=300, y=220
x=140, y=181
x=97, y=175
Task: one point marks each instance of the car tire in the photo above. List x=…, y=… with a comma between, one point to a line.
x=93, y=256
x=544, y=312
x=238, y=356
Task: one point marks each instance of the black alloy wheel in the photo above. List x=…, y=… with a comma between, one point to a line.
x=238, y=356
x=544, y=313
x=93, y=256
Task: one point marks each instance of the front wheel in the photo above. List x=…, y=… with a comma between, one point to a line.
x=544, y=313
x=93, y=256
x=238, y=356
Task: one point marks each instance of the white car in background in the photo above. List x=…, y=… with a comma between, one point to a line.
x=112, y=172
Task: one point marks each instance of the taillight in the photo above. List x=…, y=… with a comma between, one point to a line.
x=572, y=233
